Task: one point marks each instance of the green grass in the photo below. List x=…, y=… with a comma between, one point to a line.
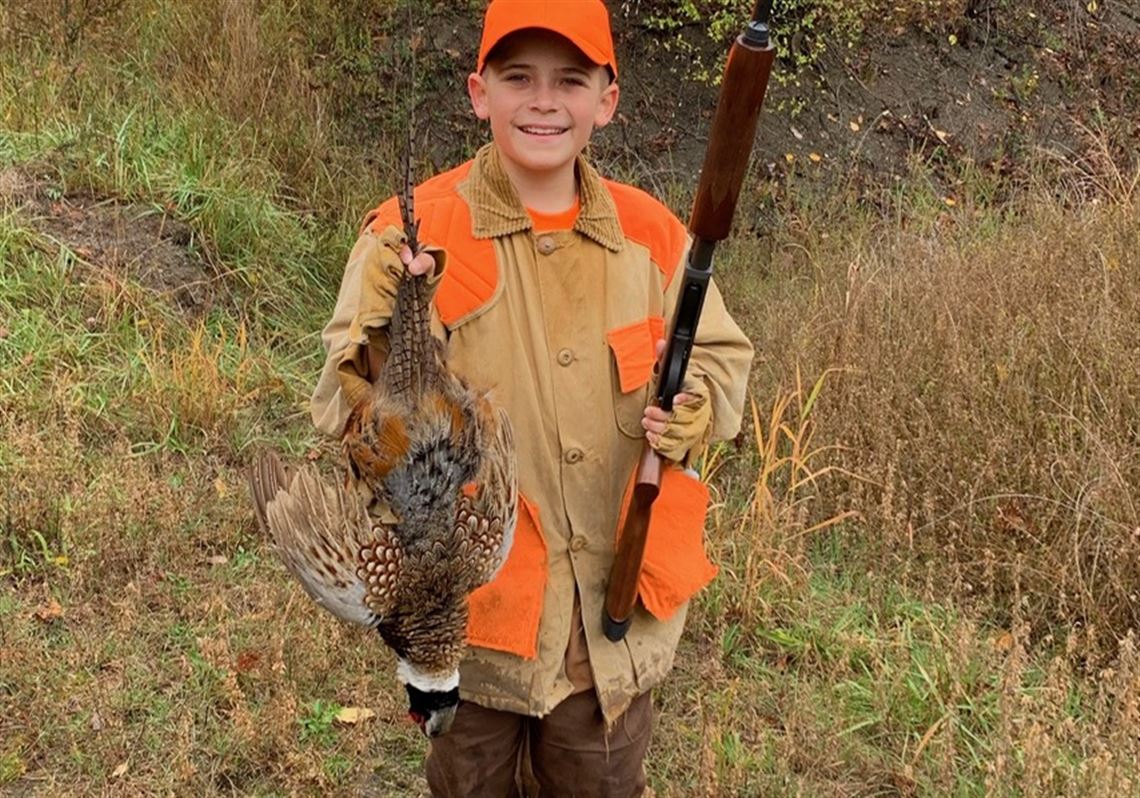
x=144, y=621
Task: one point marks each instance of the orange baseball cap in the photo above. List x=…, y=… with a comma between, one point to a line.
x=586, y=23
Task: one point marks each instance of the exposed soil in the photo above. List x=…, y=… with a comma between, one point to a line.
x=125, y=240
x=994, y=88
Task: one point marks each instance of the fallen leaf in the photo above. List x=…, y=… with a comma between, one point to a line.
x=952, y=39
x=950, y=201
x=313, y=455
x=220, y=488
x=3, y=332
x=354, y=715
x=119, y=771
x=789, y=157
x=247, y=661
x=217, y=559
x=942, y=135
x=799, y=136
x=1004, y=642
x=49, y=612
x=854, y=126
x=815, y=157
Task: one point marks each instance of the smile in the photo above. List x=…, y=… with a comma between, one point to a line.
x=539, y=130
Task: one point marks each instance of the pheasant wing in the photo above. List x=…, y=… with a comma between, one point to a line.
x=346, y=562
x=486, y=517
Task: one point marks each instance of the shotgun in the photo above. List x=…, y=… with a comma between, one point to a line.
x=726, y=161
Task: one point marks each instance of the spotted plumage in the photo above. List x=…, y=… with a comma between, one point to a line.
x=427, y=516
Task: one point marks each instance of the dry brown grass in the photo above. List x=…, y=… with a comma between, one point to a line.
x=142, y=638
x=928, y=541
x=204, y=388
x=815, y=670
x=989, y=392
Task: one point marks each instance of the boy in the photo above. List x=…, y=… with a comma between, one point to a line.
x=552, y=290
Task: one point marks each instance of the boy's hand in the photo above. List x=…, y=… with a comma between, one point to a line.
x=673, y=434
x=656, y=420
x=423, y=263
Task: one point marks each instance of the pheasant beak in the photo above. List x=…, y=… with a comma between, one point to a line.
x=438, y=722
x=433, y=710
x=435, y=723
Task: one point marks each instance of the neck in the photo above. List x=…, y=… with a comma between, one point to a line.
x=545, y=192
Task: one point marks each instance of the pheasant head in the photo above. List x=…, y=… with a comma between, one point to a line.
x=429, y=643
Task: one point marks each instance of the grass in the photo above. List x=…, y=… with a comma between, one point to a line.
x=927, y=535
x=985, y=400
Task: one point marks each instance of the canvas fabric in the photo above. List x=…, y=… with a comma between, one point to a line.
x=559, y=326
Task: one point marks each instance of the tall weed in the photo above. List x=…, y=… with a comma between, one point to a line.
x=985, y=415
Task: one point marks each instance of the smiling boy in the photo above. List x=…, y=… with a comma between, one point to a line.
x=552, y=290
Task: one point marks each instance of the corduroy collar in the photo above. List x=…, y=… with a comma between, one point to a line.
x=496, y=209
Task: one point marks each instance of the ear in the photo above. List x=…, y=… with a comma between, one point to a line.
x=477, y=91
x=607, y=105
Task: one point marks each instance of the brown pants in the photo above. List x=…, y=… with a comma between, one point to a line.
x=566, y=754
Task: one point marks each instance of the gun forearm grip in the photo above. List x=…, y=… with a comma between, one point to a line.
x=730, y=138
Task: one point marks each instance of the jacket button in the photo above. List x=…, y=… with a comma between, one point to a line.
x=546, y=245
x=573, y=456
x=578, y=542
x=565, y=357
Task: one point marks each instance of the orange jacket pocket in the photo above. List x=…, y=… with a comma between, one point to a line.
x=633, y=347
x=504, y=614
x=675, y=566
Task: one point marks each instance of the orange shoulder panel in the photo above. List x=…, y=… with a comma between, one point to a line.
x=646, y=221
x=472, y=274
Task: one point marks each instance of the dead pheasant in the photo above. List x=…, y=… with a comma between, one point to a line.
x=438, y=460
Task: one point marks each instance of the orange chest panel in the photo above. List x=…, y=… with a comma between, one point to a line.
x=472, y=275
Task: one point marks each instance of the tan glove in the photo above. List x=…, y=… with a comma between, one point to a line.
x=380, y=276
x=686, y=429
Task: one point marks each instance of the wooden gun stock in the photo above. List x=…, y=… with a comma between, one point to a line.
x=726, y=161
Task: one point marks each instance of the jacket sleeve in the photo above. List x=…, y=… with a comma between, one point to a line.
x=720, y=361
x=363, y=309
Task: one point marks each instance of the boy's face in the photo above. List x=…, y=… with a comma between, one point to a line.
x=543, y=98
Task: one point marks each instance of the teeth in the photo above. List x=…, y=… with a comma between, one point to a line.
x=543, y=131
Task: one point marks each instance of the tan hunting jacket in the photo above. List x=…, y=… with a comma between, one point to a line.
x=560, y=327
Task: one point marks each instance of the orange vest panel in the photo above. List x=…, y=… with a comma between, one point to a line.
x=472, y=274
